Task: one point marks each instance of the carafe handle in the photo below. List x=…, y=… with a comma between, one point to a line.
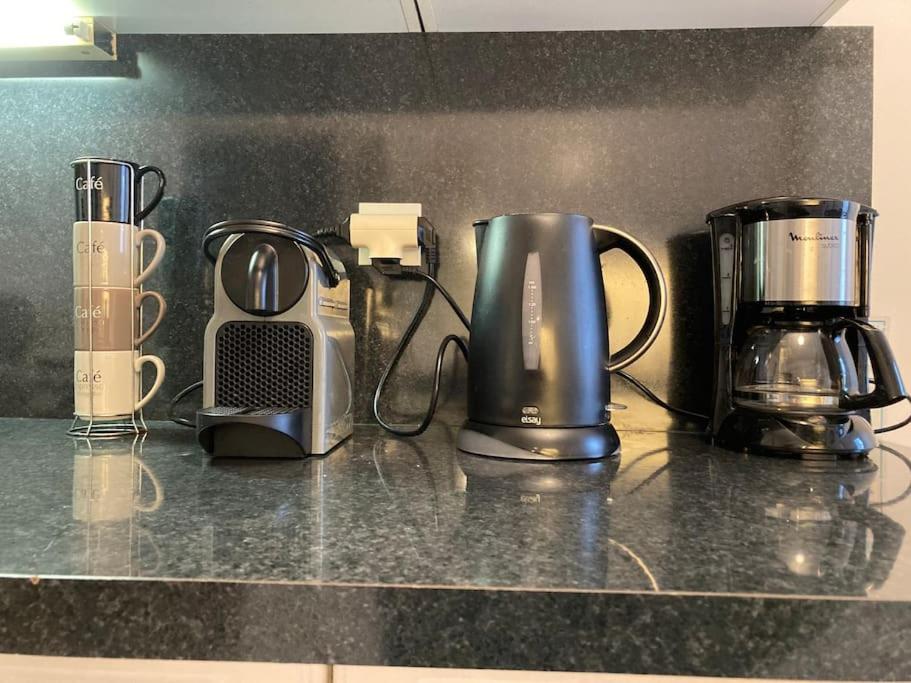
x=889, y=387
x=607, y=238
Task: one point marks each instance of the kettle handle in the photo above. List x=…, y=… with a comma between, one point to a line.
x=889, y=387
x=607, y=238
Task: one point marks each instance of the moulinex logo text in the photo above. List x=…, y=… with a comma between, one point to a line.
x=818, y=237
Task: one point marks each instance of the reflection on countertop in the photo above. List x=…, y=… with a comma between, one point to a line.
x=108, y=499
x=671, y=514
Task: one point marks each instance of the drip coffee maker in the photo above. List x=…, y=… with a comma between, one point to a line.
x=793, y=344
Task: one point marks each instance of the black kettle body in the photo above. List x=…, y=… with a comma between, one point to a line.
x=539, y=356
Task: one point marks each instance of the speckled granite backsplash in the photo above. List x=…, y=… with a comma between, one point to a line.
x=645, y=130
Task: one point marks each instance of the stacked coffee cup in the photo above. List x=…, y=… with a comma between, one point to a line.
x=108, y=296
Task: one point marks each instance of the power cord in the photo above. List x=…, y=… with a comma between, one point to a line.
x=904, y=494
x=178, y=397
x=446, y=295
x=340, y=234
x=394, y=270
x=432, y=286
x=899, y=425
x=219, y=231
x=435, y=390
x=652, y=396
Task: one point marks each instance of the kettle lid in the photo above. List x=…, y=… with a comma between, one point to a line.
x=530, y=214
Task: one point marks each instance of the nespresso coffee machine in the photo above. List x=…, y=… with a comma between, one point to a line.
x=279, y=348
x=792, y=300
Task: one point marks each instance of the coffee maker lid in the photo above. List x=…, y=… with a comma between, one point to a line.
x=780, y=208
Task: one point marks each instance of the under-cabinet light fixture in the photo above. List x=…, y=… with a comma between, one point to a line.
x=42, y=37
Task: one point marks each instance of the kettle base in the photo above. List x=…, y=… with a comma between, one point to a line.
x=539, y=443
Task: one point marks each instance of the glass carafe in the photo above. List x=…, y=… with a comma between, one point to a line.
x=806, y=367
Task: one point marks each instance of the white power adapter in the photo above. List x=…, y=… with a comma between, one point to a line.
x=386, y=231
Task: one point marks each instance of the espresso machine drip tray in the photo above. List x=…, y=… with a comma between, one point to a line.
x=238, y=432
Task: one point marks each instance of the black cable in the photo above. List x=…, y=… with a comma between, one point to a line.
x=420, y=313
x=239, y=227
x=427, y=239
x=446, y=295
x=178, y=397
x=417, y=318
x=904, y=494
x=652, y=396
x=340, y=233
x=899, y=425
x=435, y=391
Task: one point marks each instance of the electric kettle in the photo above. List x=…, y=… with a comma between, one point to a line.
x=539, y=360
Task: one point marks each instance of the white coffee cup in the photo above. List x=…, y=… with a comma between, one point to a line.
x=111, y=251
x=108, y=383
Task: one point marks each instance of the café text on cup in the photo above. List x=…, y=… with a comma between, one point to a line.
x=90, y=183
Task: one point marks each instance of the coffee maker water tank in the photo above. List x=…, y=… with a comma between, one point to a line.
x=809, y=260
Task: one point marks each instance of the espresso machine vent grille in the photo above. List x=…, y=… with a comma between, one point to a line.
x=263, y=365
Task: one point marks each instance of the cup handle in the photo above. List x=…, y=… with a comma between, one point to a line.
x=156, y=259
x=139, y=506
x=159, y=377
x=162, y=309
x=159, y=193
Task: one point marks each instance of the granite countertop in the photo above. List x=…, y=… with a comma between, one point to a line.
x=676, y=558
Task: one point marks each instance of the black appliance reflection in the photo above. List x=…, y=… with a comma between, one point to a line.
x=494, y=522
x=543, y=524
x=261, y=518
x=778, y=525
x=825, y=534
